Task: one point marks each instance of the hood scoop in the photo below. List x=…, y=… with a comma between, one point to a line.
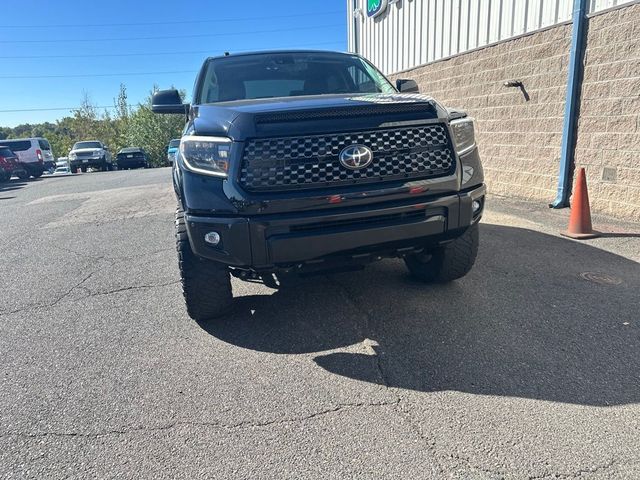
x=347, y=111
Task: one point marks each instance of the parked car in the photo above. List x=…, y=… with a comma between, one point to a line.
x=92, y=154
x=132, y=157
x=172, y=149
x=8, y=163
x=32, y=154
x=62, y=170
x=299, y=163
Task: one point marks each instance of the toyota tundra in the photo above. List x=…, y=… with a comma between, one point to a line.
x=295, y=163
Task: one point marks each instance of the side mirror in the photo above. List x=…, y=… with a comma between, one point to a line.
x=407, y=86
x=168, y=101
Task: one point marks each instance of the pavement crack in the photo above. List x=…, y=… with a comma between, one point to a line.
x=221, y=425
x=578, y=473
x=328, y=411
x=56, y=301
x=365, y=331
x=133, y=287
x=430, y=443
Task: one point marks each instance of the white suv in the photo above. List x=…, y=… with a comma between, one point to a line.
x=32, y=154
x=92, y=154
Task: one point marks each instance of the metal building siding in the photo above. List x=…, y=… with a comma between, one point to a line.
x=415, y=32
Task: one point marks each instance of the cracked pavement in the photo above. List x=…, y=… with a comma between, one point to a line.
x=525, y=369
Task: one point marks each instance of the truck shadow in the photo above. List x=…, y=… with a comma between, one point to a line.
x=539, y=317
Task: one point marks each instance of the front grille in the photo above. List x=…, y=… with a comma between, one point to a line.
x=290, y=163
x=84, y=154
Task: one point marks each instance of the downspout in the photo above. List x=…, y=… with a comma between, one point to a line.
x=572, y=104
x=354, y=26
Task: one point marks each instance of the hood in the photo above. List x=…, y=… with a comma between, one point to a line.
x=320, y=113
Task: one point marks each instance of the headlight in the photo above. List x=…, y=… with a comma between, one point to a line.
x=464, y=137
x=97, y=154
x=208, y=155
x=72, y=156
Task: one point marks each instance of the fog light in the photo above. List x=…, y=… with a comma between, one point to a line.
x=476, y=206
x=212, y=238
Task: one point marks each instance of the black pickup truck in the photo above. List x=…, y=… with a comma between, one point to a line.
x=303, y=162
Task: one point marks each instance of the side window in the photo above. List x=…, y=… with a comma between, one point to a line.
x=44, y=145
x=17, y=145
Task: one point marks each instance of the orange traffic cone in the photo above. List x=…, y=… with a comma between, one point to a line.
x=580, y=226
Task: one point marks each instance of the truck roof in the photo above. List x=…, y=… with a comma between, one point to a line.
x=271, y=52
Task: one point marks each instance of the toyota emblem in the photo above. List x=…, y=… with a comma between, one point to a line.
x=356, y=157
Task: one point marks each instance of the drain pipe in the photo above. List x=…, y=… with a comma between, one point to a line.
x=572, y=103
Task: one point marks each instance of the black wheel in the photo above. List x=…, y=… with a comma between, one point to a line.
x=206, y=285
x=447, y=262
x=37, y=174
x=83, y=169
x=22, y=175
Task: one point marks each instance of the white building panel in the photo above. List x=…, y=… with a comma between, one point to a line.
x=414, y=32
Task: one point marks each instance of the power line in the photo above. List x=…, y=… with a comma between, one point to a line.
x=166, y=37
x=87, y=75
x=147, y=54
x=175, y=22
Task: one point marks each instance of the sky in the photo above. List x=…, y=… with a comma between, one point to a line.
x=52, y=52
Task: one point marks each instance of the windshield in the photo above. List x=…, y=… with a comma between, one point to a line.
x=286, y=75
x=87, y=145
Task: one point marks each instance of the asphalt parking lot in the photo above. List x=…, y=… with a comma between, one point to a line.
x=527, y=368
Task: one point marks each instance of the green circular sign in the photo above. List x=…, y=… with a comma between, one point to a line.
x=376, y=7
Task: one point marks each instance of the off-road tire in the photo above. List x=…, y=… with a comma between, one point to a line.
x=447, y=262
x=206, y=285
x=22, y=175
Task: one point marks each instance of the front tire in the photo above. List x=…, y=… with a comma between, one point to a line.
x=206, y=285
x=447, y=262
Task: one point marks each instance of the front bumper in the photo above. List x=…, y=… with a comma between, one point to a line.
x=264, y=242
x=88, y=162
x=132, y=163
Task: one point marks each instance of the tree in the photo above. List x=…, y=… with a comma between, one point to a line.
x=125, y=127
x=152, y=131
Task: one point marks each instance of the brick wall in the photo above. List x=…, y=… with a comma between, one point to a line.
x=520, y=138
x=608, y=143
